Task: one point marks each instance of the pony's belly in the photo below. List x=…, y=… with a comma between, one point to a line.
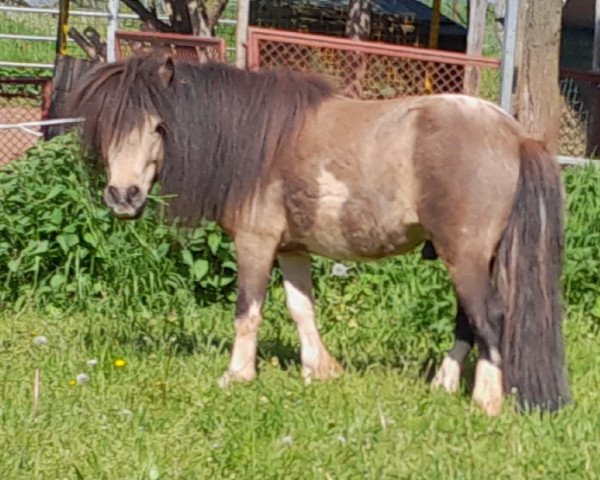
x=356, y=231
x=366, y=242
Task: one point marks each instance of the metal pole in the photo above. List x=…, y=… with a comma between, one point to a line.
x=507, y=67
x=241, y=32
x=111, y=29
x=63, y=27
x=596, y=56
x=434, y=27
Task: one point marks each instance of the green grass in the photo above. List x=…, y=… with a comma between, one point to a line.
x=163, y=416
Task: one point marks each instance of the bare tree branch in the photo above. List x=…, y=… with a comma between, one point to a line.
x=90, y=42
x=186, y=16
x=213, y=18
x=179, y=15
x=148, y=17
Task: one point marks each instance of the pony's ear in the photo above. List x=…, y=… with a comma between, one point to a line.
x=166, y=70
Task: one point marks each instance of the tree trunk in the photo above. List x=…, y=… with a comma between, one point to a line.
x=204, y=19
x=499, y=14
x=191, y=17
x=358, y=27
x=538, y=102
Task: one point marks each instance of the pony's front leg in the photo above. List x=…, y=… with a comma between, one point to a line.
x=255, y=256
x=316, y=361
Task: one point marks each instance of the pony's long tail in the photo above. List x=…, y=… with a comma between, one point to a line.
x=527, y=268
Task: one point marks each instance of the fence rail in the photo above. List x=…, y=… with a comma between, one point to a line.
x=378, y=70
x=371, y=70
x=111, y=26
x=366, y=70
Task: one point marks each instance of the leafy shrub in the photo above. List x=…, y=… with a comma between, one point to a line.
x=581, y=277
x=62, y=247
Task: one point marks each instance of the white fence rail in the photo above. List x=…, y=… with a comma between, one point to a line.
x=106, y=20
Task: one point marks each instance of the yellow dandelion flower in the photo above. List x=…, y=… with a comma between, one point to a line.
x=119, y=363
x=72, y=382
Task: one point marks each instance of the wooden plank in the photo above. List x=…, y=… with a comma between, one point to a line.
x=509, y=45
x=537, y=100
x=434, y=27
x=241, y=32
x=596, y=58
x=111, y=29
x=475, y=37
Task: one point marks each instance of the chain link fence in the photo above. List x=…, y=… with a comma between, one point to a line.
x=378, y=71
x=21, y=100
x=371, y=70
x=580, y=128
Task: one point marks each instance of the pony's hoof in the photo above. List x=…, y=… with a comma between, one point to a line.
x=328, y=369
x=231, y=376
x=487, y=392
x=448, y=376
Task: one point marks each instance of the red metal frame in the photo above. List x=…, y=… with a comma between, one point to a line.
x=581, y=76
x=177, y=39
x=256, y=35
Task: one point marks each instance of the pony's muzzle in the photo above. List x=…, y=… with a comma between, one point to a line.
x=124, y=202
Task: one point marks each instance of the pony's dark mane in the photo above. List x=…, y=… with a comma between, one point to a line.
x=224, y=126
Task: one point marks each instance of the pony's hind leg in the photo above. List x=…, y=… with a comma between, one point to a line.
x=485, y=310
x=448, y=375
x=317, y=363
x=255, y=256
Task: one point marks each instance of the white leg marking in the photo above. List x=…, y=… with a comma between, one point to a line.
x=487, y=392
x=243, y=357
x=316, y=360
x=448, y=375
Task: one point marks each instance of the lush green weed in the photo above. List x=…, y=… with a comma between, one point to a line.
x=62, y=248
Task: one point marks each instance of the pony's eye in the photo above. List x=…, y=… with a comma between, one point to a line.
x=160, y=129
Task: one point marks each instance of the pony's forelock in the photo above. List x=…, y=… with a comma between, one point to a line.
x=224, y=126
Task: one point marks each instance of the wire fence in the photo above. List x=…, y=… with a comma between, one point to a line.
x=371, y=70
x=28, y=34
x=21, y=100
x=365, y=70
x=580, y=125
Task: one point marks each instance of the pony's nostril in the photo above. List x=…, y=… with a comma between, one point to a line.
x=113, y=192
x=132, y=192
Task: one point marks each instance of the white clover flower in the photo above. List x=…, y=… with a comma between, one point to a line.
x=286, y=440
x=92, y=362
x=40, y=340
x=82, y=378
x=339, y=270
x=125, y=412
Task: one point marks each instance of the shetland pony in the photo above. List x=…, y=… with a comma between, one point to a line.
x=288, y=168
